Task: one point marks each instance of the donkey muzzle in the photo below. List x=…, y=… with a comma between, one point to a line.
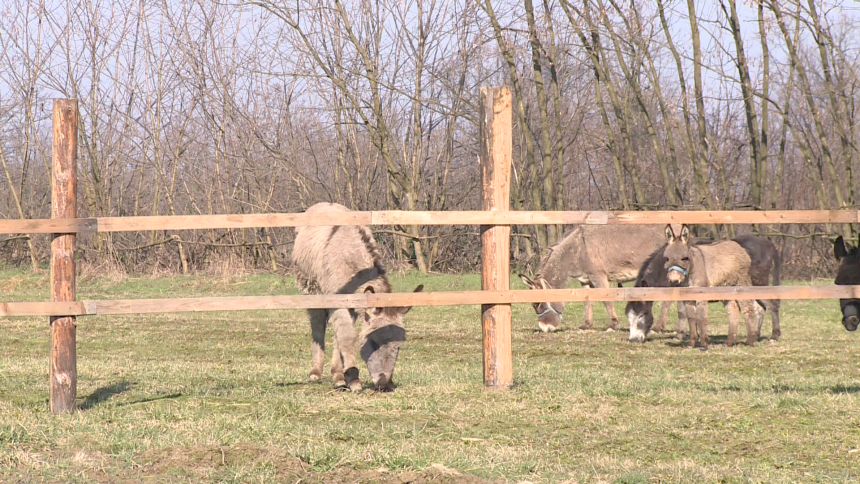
x=850, y=313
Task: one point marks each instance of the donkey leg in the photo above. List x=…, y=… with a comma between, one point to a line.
x=691, y=308
x=732, y=311
x=337, y=378
x=613, y=318
x=589, y=314
x=683, y=320
x=702, y=317
x=661, y=320
x=318, y=323
x=759, y=309
x=602, y=282
x=347, y=341
x=773, y=309
x=746, y=308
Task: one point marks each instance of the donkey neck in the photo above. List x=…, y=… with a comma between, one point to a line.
x=560, y=264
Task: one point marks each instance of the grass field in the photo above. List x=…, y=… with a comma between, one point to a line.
x=223, y=397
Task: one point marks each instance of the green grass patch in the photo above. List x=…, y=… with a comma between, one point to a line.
x=224, y=397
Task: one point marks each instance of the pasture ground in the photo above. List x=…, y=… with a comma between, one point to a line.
x=224, y=397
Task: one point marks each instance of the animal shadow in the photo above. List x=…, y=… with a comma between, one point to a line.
x=840, y=388
x=104, y=393
x=538, y=331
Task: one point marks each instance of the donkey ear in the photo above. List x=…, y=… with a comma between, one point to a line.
x=685, y=234
x=369, y=290
x=544, y=284
x=406, y=309
x=670, y=234
x=839, y=249
x=527, y=281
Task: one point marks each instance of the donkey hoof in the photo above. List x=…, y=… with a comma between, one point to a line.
x=610, y=329
x=355, y=386
x=586, y=326
x=340, y=385
x=313, y=378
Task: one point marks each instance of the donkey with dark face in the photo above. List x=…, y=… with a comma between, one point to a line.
x=345, y=260
x=848, y=274
x=764, y=259
x=595, y=255
x=723, y=263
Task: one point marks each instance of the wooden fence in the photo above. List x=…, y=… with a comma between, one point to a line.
x=495, y=221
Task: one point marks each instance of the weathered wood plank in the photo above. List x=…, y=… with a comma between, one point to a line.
x=235, y=303
x=49, y=226
x=451, y=298
x=394, y=217
x=238, y=221
x=71, y=308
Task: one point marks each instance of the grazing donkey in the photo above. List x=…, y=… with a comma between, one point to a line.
x=595, y=255
x=723, y=263
x=345, y=260
x=764, y=256
x=848, y=274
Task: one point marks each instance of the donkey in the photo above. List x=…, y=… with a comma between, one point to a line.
x=764, y=256
x=345, y=260
x=723, y=263
x=848, y=274
x=595, y=255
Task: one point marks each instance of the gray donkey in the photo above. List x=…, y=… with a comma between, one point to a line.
x=724, y=263
x=595, y=255
x=345, y=260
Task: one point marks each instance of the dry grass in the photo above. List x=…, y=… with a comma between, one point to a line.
x=223, y=397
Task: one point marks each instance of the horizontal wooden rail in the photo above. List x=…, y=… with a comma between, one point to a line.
x=453, y=298
x=393, y=217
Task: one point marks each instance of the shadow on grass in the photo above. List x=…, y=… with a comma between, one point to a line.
x=297, y=383
x=104, y=393
x=712, y=340
x=540, y=331
x=151, y=399
x=839, y=388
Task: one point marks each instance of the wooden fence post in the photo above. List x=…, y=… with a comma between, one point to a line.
x=64, y=366
x=496, y=148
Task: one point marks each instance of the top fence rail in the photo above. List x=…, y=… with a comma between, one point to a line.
x=394, y=217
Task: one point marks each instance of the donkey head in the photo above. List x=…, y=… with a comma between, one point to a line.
x=848, y=273
x=549, y=313
x=641, y=317
x=676, y=257
x=380, y=342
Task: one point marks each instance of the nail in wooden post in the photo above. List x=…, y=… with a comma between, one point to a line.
x=64, y=366
x=496, y=148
